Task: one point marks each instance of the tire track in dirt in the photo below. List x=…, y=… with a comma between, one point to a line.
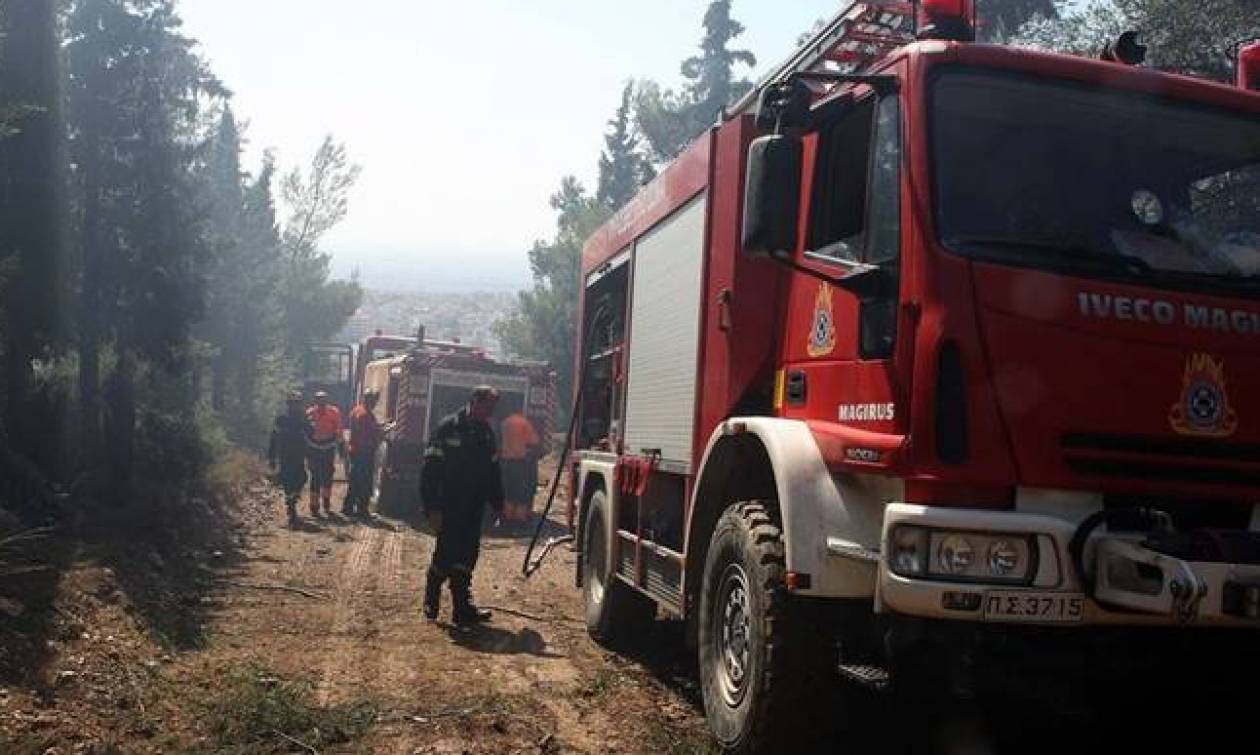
x=389, y=575
x=399, y=581
x=340, y=647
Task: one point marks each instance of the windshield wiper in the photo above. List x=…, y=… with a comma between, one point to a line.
x=1212, y=281
x=1077, y=258
x=1013, y=250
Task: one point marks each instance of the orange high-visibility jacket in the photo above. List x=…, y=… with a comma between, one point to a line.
x=325, y=424
x=519, y=436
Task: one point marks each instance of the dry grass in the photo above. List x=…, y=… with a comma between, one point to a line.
x=260, y=713
x=16, y=551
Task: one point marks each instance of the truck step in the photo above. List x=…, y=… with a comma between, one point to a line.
x=875, y=678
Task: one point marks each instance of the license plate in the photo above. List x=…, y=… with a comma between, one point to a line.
x=1034, y=606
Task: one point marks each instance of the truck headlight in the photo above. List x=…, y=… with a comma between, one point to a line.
x=1004, y=558
x=979, y=557
x=908, y=551
x=956, y=556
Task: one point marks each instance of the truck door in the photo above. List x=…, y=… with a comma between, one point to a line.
x=838, y=354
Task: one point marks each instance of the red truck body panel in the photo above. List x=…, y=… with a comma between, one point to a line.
x=1032, y=357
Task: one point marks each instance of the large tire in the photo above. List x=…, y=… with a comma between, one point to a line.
x=751, y=667
x=614, y=610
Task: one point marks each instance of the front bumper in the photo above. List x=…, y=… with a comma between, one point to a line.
x=1172, y=592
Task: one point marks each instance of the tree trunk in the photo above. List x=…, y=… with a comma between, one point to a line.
x=120, y=423
x=89, y=399
x=90, y=314
x=219, y=383
x=31, y=209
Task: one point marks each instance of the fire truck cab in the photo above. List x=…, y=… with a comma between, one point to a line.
x=926, y=337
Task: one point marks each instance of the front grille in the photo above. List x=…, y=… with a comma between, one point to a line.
x=1188, y=513
x=1163, y=471
x=1191, y=448
x=1185, y=460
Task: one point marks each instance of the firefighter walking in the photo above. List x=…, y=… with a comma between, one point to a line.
x=325, y=439
x=365, y=438
x=287, y=452
x=460, y=477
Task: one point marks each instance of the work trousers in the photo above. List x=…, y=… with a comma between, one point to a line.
x=455, y=555
x=292, y=479
x=322, y=461
x=359, y=491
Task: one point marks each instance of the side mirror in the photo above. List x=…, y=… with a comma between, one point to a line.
x=772, y=196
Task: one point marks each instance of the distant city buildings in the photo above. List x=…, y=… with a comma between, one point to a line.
x=468, y=317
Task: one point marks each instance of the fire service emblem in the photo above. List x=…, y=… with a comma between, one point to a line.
x=822, y=334
x=1203, y=408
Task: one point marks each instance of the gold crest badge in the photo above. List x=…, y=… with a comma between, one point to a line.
x=822, y=334
x=1203, y=408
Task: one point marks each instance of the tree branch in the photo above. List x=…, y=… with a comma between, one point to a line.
x=278, y=588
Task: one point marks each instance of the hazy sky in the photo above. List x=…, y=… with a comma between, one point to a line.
x=464, y=115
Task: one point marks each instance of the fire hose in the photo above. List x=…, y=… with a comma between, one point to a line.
x=532, y=564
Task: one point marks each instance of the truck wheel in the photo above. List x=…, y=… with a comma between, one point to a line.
x=750, y=667
x=613, y=609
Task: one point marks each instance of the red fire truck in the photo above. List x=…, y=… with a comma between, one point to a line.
x=380, y=346
x=421, y=385
x=927, y=341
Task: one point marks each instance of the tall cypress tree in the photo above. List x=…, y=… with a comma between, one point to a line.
x=669, y=120
x=258, y=318
x=711, y=75
x=226, y=202
x=622, y=166
x=136, y=93
x=242, y=322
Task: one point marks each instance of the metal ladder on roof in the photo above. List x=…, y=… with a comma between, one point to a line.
x=852, y=42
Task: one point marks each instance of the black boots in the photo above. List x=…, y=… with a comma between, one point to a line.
x=432, y=596
x=465, y=613
x=470, y=615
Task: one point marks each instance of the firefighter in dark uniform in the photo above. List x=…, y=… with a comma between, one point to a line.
x=460, y=477
x=287, y=451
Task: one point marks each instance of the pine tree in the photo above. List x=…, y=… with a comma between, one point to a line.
x=260, y=344
x=314, y=306
x=669, y=121
x=1191, y=38
x=712, y=82
x=31, y=215
x=225, y=198
x=622, y=167
x=136, y=92
x=545, y=325
x=999, y=20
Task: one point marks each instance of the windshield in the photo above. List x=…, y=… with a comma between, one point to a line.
x=1096, y=182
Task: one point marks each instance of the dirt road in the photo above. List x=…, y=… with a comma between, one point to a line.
x=220, y=631
x=243, y=642
x=529, y=681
